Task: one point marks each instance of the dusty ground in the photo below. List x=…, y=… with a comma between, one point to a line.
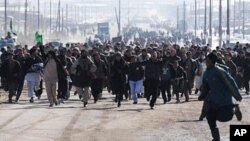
x=105, y=122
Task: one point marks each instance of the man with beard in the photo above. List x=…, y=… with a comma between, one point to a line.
x=153, y=68
x=33, y=67
x=10, y=71
x=100, y=74
x=118, y=70
x=190, y=67
x=20, y=57
x=83, y=69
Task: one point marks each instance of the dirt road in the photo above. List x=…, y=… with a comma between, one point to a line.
x=105, y=122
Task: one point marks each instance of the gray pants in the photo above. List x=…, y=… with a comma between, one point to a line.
x=85, y=94
x=51, y=91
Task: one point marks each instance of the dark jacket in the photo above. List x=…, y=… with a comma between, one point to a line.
x=190, y=71
x=13, y=74
x=246, y=68
x=101, y=70
x=179, y=73
x=218, y=87
x=29, y=61
x=118, y=72
x=166, y=73
x=135, y=72
x=21, y=60
x=82, y=72
x=232, y=67
x=152, y=69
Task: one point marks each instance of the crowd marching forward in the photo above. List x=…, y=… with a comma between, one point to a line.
x=147, y=67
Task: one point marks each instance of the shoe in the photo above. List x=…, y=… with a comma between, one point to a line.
x=119, y=104
x=178, y=101
x=169, y=99
x=51, y=105
x=135, y=102
x=39, y=97
x=100, y=95
x=56, y=103
x=201, y=118
x=164, y=102
x=85, y=104
x=196, y=91
x=152, y=108
x=80, y=97
x=31, y=100
x=247, y=93
x=62, y=101
x=75, y=93
x=238, y=113
x=95, y=101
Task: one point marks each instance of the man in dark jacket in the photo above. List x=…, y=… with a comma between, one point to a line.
x=118, y=71
x=190, y=67
x=20, y=57
x=179, y=78
x=232, y=67
x=63, y=84
x=10, y=72
x=153, y=69
x=33, y=69
x=100, y=75
x=165, y=84
x=218, y=88
x=135, y=76
x=83, y=69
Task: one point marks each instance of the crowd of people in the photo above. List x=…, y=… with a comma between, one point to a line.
x=143, y=68
x=126, y=71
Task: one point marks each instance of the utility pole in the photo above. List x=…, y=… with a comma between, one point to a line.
x=195, y=24
x=25, y=19
x=17, y=13
x=210, y=23
x=239, y=15
x=128, y=13
x=67, y=15
x=50, y=17
x=184, y=17
x=38, y=15
x=205, y=19
x=220, y=24
x=62, y=21
x=228, y=22
x=177, y=22
x=243, y=26
x=59, y=16
x=75, y=15
x=85, y=15
x=119, y=24
x=234, y=15
x=5, y=16
x=199, y=15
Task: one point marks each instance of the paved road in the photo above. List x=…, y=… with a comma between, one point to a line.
x=104, y=122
